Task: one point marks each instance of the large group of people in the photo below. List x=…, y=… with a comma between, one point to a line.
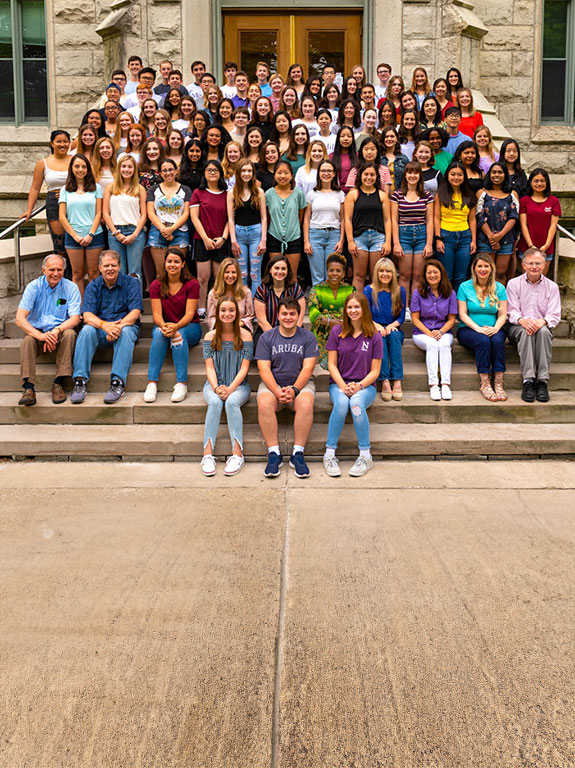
x=241, y=205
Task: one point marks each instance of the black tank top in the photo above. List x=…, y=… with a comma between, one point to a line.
x=367, y=213
x=246, y=214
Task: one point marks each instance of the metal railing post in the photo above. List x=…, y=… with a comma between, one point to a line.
x=17, y=259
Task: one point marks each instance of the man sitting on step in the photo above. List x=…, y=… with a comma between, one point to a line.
x=48, y=313
x=111, y=309
x=534, y=309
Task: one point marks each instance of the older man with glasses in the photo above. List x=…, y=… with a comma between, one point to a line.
x=534, y=310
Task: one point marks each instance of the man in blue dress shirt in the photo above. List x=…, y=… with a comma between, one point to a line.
x=48, y=313
x=111, y=309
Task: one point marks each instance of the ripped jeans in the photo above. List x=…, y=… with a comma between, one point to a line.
x=358, y=405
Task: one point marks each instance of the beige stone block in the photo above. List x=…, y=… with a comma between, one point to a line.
x=524, y=12
x=418, y=53
x=501, y=89
x=71, y=11
x=515, y=114
x=523, y=62
x=167, y=49
x=509, y=38
x=79, y=36
x=447, y=54
x=68, y=116
x=78, y=90
x=494, y=64
x=553, y=162
x=165, y=22
x=418, y=22
x=494, y=13
x=98, y=63
x=75, y=62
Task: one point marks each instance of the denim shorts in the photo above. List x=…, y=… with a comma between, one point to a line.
x=98, y=241
x=157, y=240
x=413, y=237
x=483, y=246
x=370, y=240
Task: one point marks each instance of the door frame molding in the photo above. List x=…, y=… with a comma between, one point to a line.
x=246, y=5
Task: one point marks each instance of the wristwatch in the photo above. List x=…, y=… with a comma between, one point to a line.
x=295, y=389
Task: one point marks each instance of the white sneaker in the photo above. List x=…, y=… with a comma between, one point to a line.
x=361, y=466
x=233, y=465
x=208, y=465
x=202, y=314
x=435, y=392
x=180, y=392
x=407, y=315
x=446, y=392
x=331, y=466
x=151, y=392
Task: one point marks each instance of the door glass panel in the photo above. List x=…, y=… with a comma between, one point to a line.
x=258, y=45
x=325, y=46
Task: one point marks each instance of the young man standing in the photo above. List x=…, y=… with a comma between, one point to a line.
x=383, y=74
x=147, y=76
x=452, y=119
x=165, y=69
x=142, y=93
x=134, y=66
x=195, y=88
x=262, y=77
x=328, y=76
x=286, y=358
x=229, y=88
x=241, y=97
x=367, y=96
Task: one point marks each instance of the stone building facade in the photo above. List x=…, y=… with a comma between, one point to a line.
x=498, y=48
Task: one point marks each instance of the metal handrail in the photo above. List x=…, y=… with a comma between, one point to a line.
x=560, y=230
x=566, y=232
x=16, y=229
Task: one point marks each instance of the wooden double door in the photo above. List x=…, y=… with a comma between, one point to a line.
x=282, y=38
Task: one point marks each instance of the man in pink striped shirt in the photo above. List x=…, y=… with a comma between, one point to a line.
x=534, y=309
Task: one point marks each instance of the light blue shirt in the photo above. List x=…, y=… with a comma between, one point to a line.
x=49, y=307
x=81, y=209
x=482, y=313
x=455, y=141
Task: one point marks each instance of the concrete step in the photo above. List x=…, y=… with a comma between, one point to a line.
x=12, y=331
x=167, y=442
x=464, y=377
x=415, y=408
x=563, y=352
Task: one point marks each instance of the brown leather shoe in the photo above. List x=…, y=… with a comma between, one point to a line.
x=28, y=397
x=58, y=394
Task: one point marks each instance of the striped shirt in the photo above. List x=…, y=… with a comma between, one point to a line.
x=267, y=295
x=411, y=212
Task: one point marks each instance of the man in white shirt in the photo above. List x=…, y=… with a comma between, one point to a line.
x=229, y=89
x=383, y=74
x=195, y=88
x=142, y=93
x=134, y=66
x=147, y=77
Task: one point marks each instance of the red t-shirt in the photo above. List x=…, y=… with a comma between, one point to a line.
x=213, y=211
x=174, y=307
x=469, y=125
x=538, y=221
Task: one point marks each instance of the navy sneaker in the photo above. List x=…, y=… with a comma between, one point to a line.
x=297, y=463
x=115, y=392
x=275, y=463
x=79, y=392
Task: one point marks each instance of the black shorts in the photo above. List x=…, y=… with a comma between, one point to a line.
x=202, y=254
x=52, y=206
x=275, y=245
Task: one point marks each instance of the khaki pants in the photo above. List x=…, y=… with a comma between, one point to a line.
x=30, y=348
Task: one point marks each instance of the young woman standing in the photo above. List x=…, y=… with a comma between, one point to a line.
x=124, y=211
x=286, y=205
x=136, y=140
x=323, y=221
x=388, y=304
x=308, y=107
x=412, y=221
x=86, y=141
x=253, y=143
x=289, y=103
x=191, y=171
x=367, y=223
x=174, y=297
x=224, y=113
x=80, y=210
x=149, y=167
x=420, y=85
x=440, y=89
x=168, y=206
x=539, y=214
x=392, y=157
x=246, y=204
x=355, y=350
x=438, y=138
x=454, y=84
x=125, y=122
x=295, y=79
x=209, y=212
x=431, y=176
x=471, y=118
x=324, y=120
x=298, y=147
x=468, y=155
x=175, y=146
x=228, y=350
x=369, y=152
x=281, y=130
x=510, y=154
x=233, y=153
x=306, y=176
x=162, y=124
x=455, y=224
x=408, y=132
x=269, y=158
x=497, y=214
x=344, y=155
x=484, y=141
x=104, y=162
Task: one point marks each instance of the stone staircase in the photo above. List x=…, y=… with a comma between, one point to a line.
x=416, y=427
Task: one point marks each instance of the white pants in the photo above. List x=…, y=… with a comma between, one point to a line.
x=437, y=356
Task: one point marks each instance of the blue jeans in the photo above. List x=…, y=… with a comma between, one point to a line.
x=489, y=350
x=412, y=237
x=157, y=240
x=130, y=255
x=392, y=362
x=90, y=338
x=191, y=333
x=457, y=255
x=233, y=406
x=323, y=242
x=358, y=405
x=370, y=240
x=248, y=239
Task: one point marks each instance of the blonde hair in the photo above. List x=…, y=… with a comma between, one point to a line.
x=240, y=186
x=367, y=325
x=212, y=87
x=221, y=289
x=471, y=108
x=393, y=286
x=491, y=286
x=490, y=148
x=97, y=160
x=118, y=133
x=308, y=153
x=226, y=167
x=118, y=183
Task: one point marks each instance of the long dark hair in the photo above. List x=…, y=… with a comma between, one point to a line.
x=517, y=164
x=345, y=94
x=438, y=117
x=356, y=114
x=488, y=183
x=441, y=131
x=333, y=185
x=538, y=172
x=413, y=165
x=451, y=89
x=468, y=145
x=445, y=286
x=222, y=186
x=337, y=152
x=185, y=274
x=292, y=153
x=101, y=131
x=364, y=143
x=391, y=105
x=361, y=168
x=267, y=279
x=89, y=180
x=225, y=138
x=445, y=190
x=60, y=132
x=274, y=135
x=187, y=174
x=402, y=130
x=397, y=148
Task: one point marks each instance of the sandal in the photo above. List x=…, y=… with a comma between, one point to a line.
x=500, y=393
x=487, y=391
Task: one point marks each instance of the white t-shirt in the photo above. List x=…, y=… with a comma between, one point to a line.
x=197, y=94
x=304, y=180
x=135, y=112
x=325, y=208
x=132, y=100
x=380, y=92
x=229, y=91
x=313, y=128
x=329, y=141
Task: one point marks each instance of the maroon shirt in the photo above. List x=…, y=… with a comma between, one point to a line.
x=174, y=307
x=538, y=221
x=213, y=211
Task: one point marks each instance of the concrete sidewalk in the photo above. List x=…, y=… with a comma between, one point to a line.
x=420, y=617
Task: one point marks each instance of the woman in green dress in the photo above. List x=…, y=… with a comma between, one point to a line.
x=326, y=302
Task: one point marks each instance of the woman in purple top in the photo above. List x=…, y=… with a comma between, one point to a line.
x=355, y=350
x=433, y=311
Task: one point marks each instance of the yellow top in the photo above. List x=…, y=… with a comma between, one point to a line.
x=455, y=219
